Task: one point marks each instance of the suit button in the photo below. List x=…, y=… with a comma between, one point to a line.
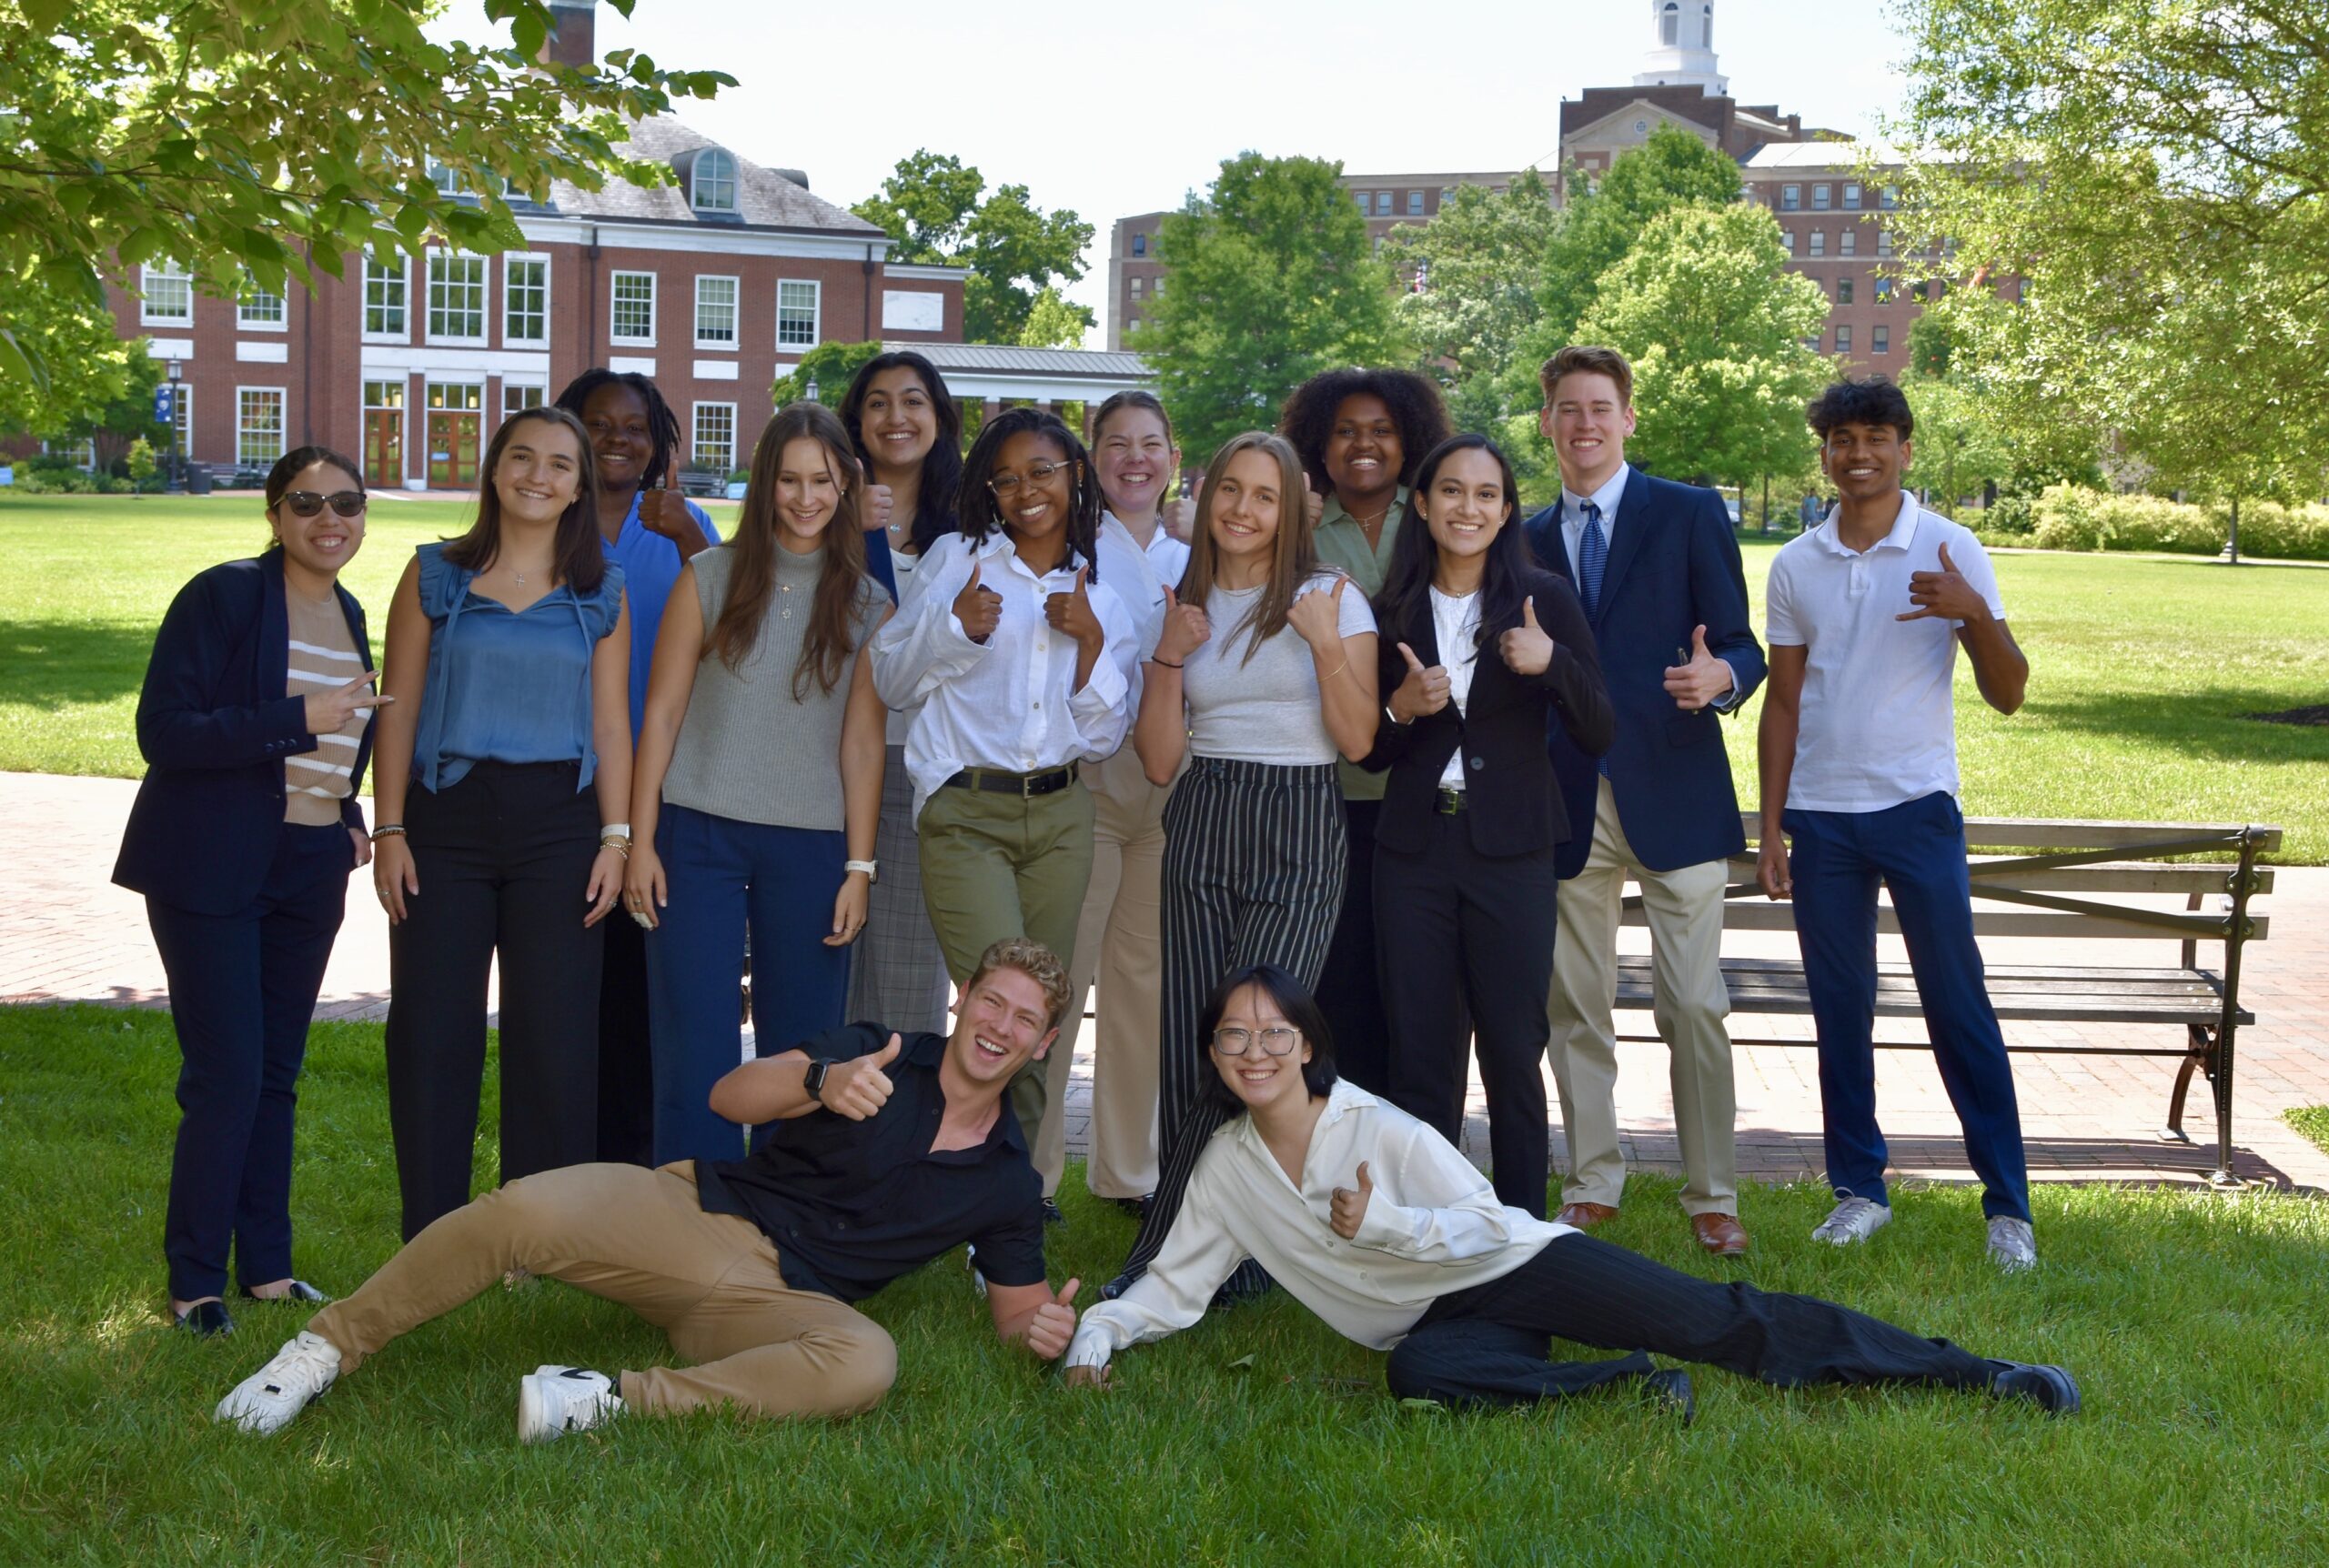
x=1479, y=763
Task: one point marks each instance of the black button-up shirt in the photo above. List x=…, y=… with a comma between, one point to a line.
x=852, y=1205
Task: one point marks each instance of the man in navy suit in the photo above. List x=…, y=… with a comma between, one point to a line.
x=1657, y=569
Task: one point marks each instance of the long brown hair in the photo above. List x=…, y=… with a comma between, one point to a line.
x=577, y=555
x=826, y=647
x=1294, y=558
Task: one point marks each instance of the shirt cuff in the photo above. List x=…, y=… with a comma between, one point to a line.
x=1384, y=1224
x=1729, y=699
x=1092, y=1346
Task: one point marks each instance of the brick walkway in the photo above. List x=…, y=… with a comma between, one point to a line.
x=69, y=935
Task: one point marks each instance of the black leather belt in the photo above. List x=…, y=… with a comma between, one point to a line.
x=1451, y=801
x=1026, y=786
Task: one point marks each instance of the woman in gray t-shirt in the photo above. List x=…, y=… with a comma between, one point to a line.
x=758, y=778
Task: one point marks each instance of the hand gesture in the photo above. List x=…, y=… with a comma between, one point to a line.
x=1527, y=649
x=1942, y=594
x=1772, y=868
x=606, y=871
x=328, y=712
x=858, y=1089
x=1317, y=617
x=1070, y=613
x=1054, y=1324
x=1701, y=680
x=849, y=908
x=644, y=891
x=1350, y=1208
x=1086, y=1377
x=394, y=877
x=1422, y=692
x=1187, y=629
x=1314, y=505
x=1177, y=518
x=879, y=503
x=665, y=511
x=980, y=609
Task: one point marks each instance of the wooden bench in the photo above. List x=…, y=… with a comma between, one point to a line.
x=2058, y=879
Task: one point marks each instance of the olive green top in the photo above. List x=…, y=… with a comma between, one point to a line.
x=1342, y=543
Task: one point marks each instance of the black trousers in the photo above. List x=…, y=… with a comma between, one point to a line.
x=502, y=857
x=1458, y=932
x=1487, y=1344
x=626, y=1059
x=1348, y=992
x=242, y=990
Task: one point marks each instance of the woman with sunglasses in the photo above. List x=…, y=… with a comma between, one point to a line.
x=1376, y=1223
x=256, y=721
x=503, y=785
x=1021, y=662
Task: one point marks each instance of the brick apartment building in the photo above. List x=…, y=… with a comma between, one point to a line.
x=713, y=286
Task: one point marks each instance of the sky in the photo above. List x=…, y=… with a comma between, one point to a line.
x=1116, y=108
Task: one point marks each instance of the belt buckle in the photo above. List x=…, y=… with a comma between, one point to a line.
x=1026, y=787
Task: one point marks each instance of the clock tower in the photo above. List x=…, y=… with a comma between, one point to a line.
x=1683, y=55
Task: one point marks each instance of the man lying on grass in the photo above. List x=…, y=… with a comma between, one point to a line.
x=1374, y=1222
x=887, y=1154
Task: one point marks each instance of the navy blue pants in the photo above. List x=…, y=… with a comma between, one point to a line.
x=725, y=877
x=1918, y=851
x=241, y=990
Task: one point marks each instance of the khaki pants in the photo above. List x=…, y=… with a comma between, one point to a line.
x=640, y=1238
x=1119, y=941
x=1685, y=912
x=996, y=866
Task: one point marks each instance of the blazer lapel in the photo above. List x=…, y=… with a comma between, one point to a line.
x=1633, y=520
x=1554, y=554
x=274, y=630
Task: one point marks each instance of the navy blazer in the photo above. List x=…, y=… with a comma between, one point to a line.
x=215, y=723
x=1673, y=565
x=1513, y=808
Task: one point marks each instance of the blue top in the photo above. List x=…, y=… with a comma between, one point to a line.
x=507, y=685
x=651, y=564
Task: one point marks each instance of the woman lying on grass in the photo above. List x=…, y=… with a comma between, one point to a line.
x=1374, y=1222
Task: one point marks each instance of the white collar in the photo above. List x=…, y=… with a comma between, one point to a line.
x=1606, y=497
x=1900, y=536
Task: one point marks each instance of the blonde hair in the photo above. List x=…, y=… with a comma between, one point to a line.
x=1034, y=961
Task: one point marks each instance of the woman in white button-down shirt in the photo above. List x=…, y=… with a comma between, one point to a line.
x=1023, y=662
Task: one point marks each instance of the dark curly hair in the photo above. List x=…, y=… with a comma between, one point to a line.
x=1875, y=401
x=662, y=425
x=980, y=515
x=1414, y=400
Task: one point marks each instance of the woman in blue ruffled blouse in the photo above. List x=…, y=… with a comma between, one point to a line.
x=503, y=777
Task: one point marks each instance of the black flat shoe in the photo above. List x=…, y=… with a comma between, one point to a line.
x=300, y=1290
x=1052, y=1215
x=1669, y=1390
x=205, y=1319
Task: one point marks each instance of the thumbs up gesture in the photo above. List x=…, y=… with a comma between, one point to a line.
x=1054, y=1324
x=1187, y=629
x=1527, y=649
x=1316, y=618
x=665, y=511
x=880, y=501
x=1945, y=595
x=1350, y=1207
x=978, y=609
x=1698, y=680
x=1070, y=613
x=858, y=1089
x=1423, y=691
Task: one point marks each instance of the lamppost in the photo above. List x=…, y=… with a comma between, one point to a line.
x=177, y=457
x=812, y=388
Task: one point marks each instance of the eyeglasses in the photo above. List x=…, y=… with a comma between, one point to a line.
x=1277, y=1040
x=1041, y=474
x=306, y=502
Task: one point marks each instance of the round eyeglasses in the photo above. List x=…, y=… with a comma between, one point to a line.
x=1277, y=1040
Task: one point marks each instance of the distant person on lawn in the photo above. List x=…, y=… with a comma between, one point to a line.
x=1374, y=1222
x=254, y=722
x=1859, y=752
x=892, y=1150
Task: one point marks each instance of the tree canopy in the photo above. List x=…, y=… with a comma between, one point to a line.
x=1476, y=271
x=939, y=211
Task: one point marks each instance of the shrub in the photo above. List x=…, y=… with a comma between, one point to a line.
x=2073, y=517
x=2065, y=519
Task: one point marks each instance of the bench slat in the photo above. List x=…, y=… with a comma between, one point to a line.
x=2109, y=877
x=1761, y=914
x=2046, y=833
x=2099, y=995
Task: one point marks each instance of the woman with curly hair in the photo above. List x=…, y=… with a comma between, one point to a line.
x=1360, y=433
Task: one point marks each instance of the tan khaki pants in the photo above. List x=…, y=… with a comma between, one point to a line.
x=1685, y=912
x=1119, y=941
x=639, y=1238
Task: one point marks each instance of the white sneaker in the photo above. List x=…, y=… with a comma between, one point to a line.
x=557, y=1400
x=2013, y=1248
x=266, y=1400
x=1852, y=1219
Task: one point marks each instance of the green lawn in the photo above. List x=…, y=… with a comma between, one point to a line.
x=2142, y=669
x=2193, y=1323
x=2312, y=1120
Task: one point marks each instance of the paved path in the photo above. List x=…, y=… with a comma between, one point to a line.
x=70, y=935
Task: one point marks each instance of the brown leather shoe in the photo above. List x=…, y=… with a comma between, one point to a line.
x=1721, y=1234
x=1584, y=1216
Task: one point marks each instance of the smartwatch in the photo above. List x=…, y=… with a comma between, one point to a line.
x=814, y=1081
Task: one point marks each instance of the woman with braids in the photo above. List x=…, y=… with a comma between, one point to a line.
x=503, y=784
x=1264, y=677
x=758, y=779
x=1022, y=661
x=907, y=433
x=1482, y=649
x=650, y=530
x=1360, y=433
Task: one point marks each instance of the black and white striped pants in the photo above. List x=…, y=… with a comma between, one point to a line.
x=1253, y=865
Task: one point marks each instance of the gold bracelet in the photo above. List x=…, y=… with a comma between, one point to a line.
x=1334, y=672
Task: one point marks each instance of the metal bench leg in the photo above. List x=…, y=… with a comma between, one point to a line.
x=2202, y=1055
x=2222, y=1176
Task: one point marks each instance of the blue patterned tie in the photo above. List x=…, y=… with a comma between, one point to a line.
x=1592, y=555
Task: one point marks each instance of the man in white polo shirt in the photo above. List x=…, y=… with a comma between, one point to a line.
x=1858, y=757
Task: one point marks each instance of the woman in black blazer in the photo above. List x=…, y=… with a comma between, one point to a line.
x=255, y=724
x=1480, y=649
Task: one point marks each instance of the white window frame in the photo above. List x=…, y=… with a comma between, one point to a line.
x=170, y=272
x=1819, y=242
x=519, y=384
x=510, y=261
x=1884, y=242
x=1822, y=197
x=1844, y=338
x=245, y=322
x=695, y=437
x=1791, y=198
x=1787, y=238
x=733, y=343
x=282, y=425
x=1879, y=338
x=615, y=303
x=816, y=314
x=182, y=418
x=484, y=298
x=1850, y=195
x=734, y=182
x=400, y=270
x=1848, y=242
